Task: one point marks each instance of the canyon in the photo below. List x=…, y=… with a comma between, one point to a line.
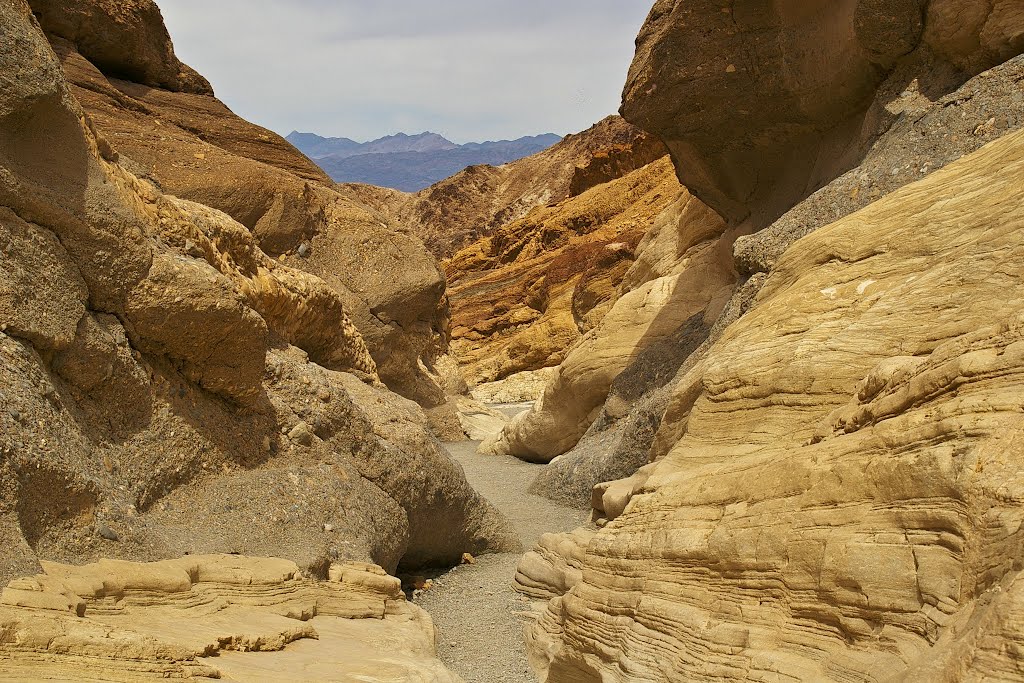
x=763, y=330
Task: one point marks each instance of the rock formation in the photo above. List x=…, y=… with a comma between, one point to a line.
x=832, y=490
x=481, y=199
x=170, y=130
x=761, y=105
x=227, y=617
x=168, y=387
x=843, y=503
x=523, y=296
x=907, y=114
x=680, y=282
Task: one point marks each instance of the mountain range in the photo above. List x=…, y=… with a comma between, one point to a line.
x=410, y=162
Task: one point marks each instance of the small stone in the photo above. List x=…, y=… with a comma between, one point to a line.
x=301, y=434
x=15, y=414
x=468, y=559
x=324, y=395
x=304, y=249
x=328, y=528
x=104, y=531
x=266, y=444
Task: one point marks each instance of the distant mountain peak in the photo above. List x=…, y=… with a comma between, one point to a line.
x=410, y=162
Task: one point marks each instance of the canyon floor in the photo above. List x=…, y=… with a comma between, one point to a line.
x=478, y=616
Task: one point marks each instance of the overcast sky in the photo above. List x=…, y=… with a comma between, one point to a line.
x=471, y=70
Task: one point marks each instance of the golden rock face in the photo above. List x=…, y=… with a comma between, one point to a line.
x=214, y=616
x=843, y=499
x=524, y=296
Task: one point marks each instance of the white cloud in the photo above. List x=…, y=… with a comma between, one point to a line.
x=471, y=70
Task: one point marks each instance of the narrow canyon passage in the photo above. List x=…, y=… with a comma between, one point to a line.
x=478, y=615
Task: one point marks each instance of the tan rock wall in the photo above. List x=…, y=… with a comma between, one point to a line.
x=214, y=616
x=844, y=500
x=189, y=144
x=154, y=380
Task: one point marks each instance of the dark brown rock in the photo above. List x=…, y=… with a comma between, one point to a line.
x=762, y=103
x=125, y=38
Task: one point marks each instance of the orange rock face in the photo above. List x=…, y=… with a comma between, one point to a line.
x=473, y=204
x=522, y=297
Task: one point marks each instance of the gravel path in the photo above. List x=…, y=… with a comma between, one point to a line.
x=477, y=613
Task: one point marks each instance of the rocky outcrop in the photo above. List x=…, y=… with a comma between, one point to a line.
x=473, y=204
x=187, y=143
x=523, y=296
x=620, y=441
x=609, y=163
x=126, y=39
x=518, y=388
x=158, y=368
x=689, y=249
x=842, y=501
x=910, y=130
x=215, y=616
x=760, y=106
x=926, y=135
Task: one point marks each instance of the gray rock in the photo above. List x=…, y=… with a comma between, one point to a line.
x=925, y=136
x=105, y=532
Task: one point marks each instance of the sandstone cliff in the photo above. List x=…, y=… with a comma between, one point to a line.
x=170, y=129
x=168, y=388
x=843, y=503
x=832, y=492
x=922, y=117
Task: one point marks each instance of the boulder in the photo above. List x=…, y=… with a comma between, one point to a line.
x=761, y=105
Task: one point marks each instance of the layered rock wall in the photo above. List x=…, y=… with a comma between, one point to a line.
x=843, y=501
x=524, y=296
x=214, y=616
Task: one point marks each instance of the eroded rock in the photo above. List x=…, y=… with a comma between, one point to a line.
x=820, y=513
x=214, y=616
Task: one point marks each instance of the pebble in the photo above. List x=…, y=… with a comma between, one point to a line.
x=104, y=531
x=15, y=414
x=301, y=434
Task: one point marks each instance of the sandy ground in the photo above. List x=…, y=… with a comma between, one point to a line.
x=478, y=615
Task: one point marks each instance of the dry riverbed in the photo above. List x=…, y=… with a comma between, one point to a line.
x=479, y=617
